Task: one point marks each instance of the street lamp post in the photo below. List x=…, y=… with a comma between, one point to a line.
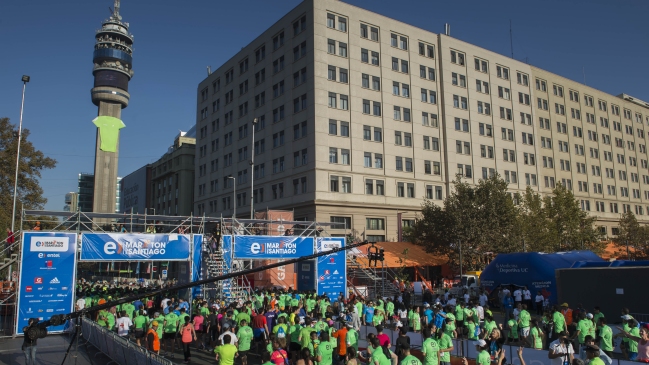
x=25, y=80
x=234, y=195
x=252, y=171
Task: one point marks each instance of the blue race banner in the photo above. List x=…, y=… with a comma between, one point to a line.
x=197, y=252
x=332, y=268
x=272, y=247
x=47, y=277
x=134, y=247
x=226, y=246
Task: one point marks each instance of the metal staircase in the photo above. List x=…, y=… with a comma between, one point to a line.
x=7, y=261
x=377, y=280
x=230, y=289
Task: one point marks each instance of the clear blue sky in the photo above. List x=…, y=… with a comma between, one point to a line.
x=52, y=41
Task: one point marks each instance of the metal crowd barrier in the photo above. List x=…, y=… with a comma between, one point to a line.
x=118, y=349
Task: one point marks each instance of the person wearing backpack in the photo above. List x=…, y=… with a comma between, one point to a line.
x=279, y=355
x=281, y=329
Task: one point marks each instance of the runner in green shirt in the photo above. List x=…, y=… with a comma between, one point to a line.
x=305, y=335
x=583, y=328
x=325, y=350
x=242, y=316
x=389, y=309
x=605, y=335
x=536, y=335
x=445, y=347
x=470, y=327
x=351, y=339
x=559, y=322
x=378, y=356
x=225, y=354
x=430, y=349
x=245, y=337
x=408, y=359
x=140, y=321
x=484, y=358
x=513, y=330
x=170, y=325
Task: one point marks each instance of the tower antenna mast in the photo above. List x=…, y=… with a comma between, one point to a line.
x=116, y=9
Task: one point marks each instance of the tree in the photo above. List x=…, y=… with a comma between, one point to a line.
x=632, y=238
x=573, y=226
x=474, y=222
x=536, y=230
x=556, y=222
x=32, y=163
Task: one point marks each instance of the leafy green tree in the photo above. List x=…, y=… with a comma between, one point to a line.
x=633, y=236
x=556, y=222
x=474, y=221
x=536, y=230
x=32, y=163
x=573, y=226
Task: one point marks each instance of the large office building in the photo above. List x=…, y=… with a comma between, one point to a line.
x=172, y=178
x=86, y=193
x=361, y=117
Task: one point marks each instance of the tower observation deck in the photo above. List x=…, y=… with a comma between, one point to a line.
x=112, y=69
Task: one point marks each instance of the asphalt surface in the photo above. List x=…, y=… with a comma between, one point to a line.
x=51, y=351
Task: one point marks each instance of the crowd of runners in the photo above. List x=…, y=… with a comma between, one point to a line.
x=284, y=327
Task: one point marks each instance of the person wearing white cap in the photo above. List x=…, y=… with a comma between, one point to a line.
x=484, y=358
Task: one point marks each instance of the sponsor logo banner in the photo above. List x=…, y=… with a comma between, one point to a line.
x=272, y=247
x=40, y=267
x=133, y=247
x=332, y=268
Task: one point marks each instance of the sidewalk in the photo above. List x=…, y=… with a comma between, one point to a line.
x=50, y=351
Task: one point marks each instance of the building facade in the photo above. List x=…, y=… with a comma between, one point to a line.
x=86, y=190
x=172, y=178
x=134, y=192
x=361, y=117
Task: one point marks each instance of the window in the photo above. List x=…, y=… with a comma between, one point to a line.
x=505, y=113
x=278, y=41
x=557, y=90
x=366, y=106
x=574, y=96
x=502, y=72
x=342, y=24
x=503, y=92
x=457, y=57
x=333, y=155
x=344, y=222
x=278, y=65
x=427, y=73
x=299, y=51
x=331, y=46
x=376, y=110
x=524, y=98
x=426, y=50
x=461, y=125
x=480, y=65
x=458, y=80
x=482, y=86
x=429, y=120
x=484, y=108
x=375, y=223
x=485, y=129
x=331, y=21
x=460, y=102
x=522, y=79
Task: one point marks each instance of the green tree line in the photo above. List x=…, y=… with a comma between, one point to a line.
x=480, y=221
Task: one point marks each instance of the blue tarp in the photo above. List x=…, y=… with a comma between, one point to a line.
x=532, y=269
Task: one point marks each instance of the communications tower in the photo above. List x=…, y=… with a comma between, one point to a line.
x=112, y=69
